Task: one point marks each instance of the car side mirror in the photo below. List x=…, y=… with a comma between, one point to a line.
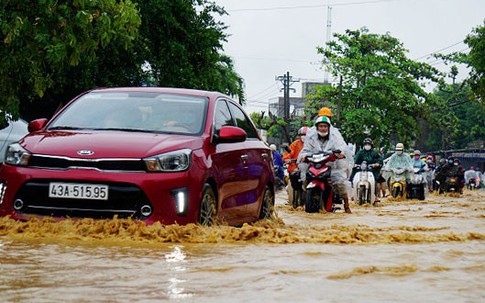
x=36, y=125
x=230, y=134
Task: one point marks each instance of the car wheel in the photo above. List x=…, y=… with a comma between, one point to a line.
x=207, y=210
x=267, y=206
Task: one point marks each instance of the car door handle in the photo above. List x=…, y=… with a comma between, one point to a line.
x=244, y=157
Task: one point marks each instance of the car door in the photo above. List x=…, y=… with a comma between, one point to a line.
x=257, y=158
x=230, y=167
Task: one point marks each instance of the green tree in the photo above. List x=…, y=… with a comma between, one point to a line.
x=45, y=45
x=380, y=94
x=57, y=50
x=182, y=43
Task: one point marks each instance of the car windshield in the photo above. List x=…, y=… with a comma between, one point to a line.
x=132, y=111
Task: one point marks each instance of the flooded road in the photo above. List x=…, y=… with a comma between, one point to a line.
x=402, y=251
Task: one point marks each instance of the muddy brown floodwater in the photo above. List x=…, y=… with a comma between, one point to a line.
x=402, y=251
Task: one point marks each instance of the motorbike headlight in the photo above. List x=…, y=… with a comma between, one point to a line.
x=169, y=162
x=17, y=155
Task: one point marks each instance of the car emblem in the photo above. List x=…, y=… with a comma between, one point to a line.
x=85, y=152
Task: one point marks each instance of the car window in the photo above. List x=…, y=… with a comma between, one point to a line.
x=154, y=112
x=243, y=121
x=222, y=115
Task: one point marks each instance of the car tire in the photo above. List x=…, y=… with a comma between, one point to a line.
x=207, y=211
x=267, y=205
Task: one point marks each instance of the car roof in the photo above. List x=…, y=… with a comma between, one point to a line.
x=170, y=90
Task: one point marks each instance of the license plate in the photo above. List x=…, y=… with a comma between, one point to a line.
x=78, y=191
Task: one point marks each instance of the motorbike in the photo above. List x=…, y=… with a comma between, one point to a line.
x=278, y=181
x=297, y=186
x=473, y=183
x=397, y=182
x=364, y=184
x=451, y=184
x=319, y=190
x=416, y=188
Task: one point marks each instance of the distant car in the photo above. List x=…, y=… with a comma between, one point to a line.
x=11, y=131
x=153, y=154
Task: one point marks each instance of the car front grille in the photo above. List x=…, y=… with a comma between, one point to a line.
x=51, y=162
x=125, y=200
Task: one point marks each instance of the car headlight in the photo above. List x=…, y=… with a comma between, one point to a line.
x=17, y=155
x=169, y=162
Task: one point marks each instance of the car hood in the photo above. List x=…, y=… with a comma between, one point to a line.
x=106, y=144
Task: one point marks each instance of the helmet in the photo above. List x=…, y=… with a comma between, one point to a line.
x=442, y=161
x=417, y=152
x=368, y=141
x=302, y=130
x=272, y=147
x=322, y=119
x=399, y=146
x=325, y=111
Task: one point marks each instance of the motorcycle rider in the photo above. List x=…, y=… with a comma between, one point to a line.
x=471, y=174
x=325, y=139
x=400, y=159
x=278, y=162
x=418, y=163
x=290, y=159
x=430, y=174
x=451, y=169
x=373, y=159
x=438, y=175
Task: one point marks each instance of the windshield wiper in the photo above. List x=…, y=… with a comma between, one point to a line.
x=65, y=127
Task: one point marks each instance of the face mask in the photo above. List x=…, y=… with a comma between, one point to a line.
x=456, y=164
x=367, y=147
x=416, y=157
x=322, y=134
x=450, y=162
x=399, y=152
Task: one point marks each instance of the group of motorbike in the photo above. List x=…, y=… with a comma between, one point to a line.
x=317, y=192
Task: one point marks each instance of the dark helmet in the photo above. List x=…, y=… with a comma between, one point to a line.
x=368, y=141
x=442, y=161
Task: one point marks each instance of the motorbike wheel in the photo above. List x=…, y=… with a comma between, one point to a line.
x=361, y=196
x=313, y=202
x=421, y=194
x=396, y=192
x=296, y=198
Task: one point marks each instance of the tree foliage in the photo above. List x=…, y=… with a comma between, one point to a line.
x=41, y=41
x=381, y=93
x=53, y=50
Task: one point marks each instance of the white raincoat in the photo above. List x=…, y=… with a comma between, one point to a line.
x=335, y=141
x=403, y=161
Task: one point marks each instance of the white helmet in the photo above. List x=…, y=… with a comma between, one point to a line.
x=272, y=147
x=399, y=146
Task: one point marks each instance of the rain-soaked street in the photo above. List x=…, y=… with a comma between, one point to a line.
x=402, y=251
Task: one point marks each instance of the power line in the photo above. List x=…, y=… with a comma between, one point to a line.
x=307, y=6
x=445, y=48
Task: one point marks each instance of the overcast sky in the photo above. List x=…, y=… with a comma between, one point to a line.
x=271, y=37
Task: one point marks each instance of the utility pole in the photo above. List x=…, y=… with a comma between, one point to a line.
x=329, y=35
x=287, y=81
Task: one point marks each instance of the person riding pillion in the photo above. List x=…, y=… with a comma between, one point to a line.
x=373, y=159
x=290, y=158
x=324, y=140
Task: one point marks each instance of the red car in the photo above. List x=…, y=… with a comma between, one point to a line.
x=153, y=154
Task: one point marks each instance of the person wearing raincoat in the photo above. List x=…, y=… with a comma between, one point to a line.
x=324, y=140
x=399, y=159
